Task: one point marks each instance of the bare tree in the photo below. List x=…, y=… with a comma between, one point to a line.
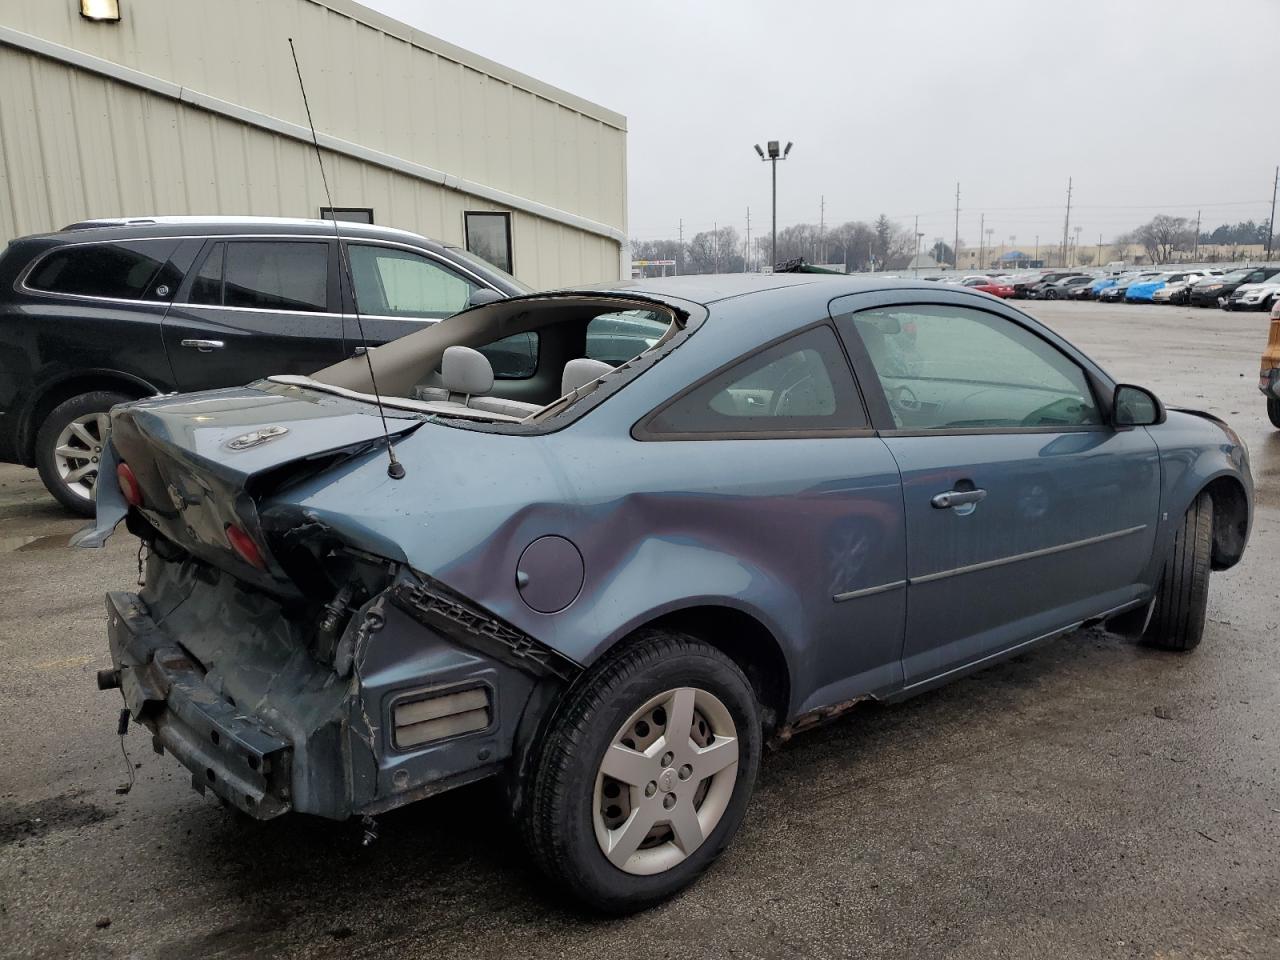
x=1162, y=236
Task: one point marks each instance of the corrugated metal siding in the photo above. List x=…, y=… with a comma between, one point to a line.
x=75, y=145
x=366, y=86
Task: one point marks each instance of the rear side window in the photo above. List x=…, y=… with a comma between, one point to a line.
x=801, y=385
x=123, y=271
x=270, y=275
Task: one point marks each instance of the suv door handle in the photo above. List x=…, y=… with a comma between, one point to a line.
x=957, y=498
x=204, y=346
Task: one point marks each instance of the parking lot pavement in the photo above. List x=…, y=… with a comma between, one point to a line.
x=1091, y=798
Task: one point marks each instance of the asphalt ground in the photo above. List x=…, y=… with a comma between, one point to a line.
x=1091, y=798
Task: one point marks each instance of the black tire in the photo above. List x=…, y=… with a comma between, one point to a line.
x=557, y=820
x=94, y=402
x=1273, y=412
x=1177, y=623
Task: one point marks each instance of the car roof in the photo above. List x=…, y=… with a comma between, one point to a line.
x=121, y=228
x=706, y=289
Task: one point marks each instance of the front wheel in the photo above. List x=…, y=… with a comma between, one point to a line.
x=646, y=774
x=69, y=446
x=1177, y=623
x=1273, y=412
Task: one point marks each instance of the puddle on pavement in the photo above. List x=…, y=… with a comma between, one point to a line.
x=21, y=544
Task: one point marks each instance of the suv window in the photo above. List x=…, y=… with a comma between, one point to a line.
x=616, y=338
x=944, y=367
x=266, y=275
x=135, y=270
x=800, y=385
x=391, y=282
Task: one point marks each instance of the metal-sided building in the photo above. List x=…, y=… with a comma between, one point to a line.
x=192, y=107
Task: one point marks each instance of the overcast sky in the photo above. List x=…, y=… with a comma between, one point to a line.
x=1152, y=107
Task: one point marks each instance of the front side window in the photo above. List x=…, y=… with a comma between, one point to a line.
x=489, y=237
x=956, y=368
x=123, y=271
x=391, y=282
x=616, y=338
x=800, y=385
x=276, y=275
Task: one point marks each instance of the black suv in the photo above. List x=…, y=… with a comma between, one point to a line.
x=108, y=311
x=1212, y=291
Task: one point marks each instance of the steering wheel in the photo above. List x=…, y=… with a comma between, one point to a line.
x=903, y=398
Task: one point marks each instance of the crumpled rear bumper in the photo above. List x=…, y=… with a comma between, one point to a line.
x=237, y=756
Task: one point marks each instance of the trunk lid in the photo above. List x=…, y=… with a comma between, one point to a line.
x=203, y=460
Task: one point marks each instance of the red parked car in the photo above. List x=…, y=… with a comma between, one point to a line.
x=999, y=288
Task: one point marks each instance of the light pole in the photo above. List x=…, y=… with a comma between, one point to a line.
x=772, y=159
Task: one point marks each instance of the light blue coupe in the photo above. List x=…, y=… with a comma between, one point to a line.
x=711, y=511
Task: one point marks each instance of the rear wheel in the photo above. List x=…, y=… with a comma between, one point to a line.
x=1273, y=412
x=69, y=446
x=646, y=776
x=1177, y=623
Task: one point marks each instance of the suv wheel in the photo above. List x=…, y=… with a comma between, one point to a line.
x=646, y=775
x=1177, y=623
x=69, y=445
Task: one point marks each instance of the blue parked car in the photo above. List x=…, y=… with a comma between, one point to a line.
x=608, y=583
x=1144, y=291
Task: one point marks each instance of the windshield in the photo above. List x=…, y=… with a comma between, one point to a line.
x=484, y=266
x=1235, y=276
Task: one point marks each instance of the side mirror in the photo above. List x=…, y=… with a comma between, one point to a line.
x=1135, y=407
x=482, y=295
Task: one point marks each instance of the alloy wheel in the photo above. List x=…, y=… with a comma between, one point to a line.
x=78, y=450
x=665, y=781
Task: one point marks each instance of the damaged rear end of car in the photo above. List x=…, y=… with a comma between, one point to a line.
x=290, y=666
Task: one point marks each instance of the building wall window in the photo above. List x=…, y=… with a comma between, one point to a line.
x=354, y=214
x=489, y=237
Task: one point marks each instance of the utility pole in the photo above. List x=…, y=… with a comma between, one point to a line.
x=955, y=250
x=990, y=247
x=915, y=272
x=680, y=249
x=1099, y=263
x=822, y=226
x=1271, y=226
x=1195, y=249
x=1036, y=257
x=1066, y=224
x=1076, y=255
x=982, y=232
x=715, y=247
x=746, y=260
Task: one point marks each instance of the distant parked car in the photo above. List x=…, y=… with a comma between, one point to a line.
x=1253, y=296
x=1104, y=283
x=1269, y=378
x=989, y=285
x=1023, y=282
x=1144, y=290
x=1061, y=288
x=1178, y=292
x=109, y=311
x=1214, y=291
x=1115, y=294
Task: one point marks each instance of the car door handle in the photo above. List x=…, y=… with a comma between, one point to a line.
x=204, y=346
x=957, y=498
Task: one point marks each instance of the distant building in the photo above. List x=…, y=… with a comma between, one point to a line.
x=189, y=107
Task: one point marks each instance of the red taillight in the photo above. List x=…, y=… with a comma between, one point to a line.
x=129, y=485
x=244, y=547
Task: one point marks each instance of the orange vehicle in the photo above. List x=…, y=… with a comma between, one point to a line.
x=1269, y=378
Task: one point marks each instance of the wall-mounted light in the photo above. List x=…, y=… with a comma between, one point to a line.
x=100, y=9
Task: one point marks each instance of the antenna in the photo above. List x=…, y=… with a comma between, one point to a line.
x=395, y=469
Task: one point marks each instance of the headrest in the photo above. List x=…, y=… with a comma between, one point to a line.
x=580, y=372
x=463, y=370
